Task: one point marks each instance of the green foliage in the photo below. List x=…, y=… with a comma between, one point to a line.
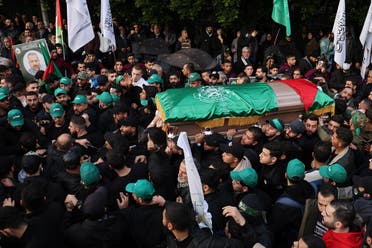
x=226, y=11
x=154, y=12
x=188, y=10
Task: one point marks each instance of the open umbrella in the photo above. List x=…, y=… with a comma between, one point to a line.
x=200, y=59
x=153, y=46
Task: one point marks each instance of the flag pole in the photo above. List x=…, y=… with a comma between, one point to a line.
x=276, y=36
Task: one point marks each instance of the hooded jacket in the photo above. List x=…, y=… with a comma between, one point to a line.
x=343, y=240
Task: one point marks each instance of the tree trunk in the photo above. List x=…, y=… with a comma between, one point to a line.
x=44, y=12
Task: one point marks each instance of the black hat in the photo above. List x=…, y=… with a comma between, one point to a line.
x=214, y=140
x=120, y=108
x=214, y=74
x=236, y=149
x=102, y=79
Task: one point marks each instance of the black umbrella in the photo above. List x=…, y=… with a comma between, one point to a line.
x=200, y=59
x=153, y=46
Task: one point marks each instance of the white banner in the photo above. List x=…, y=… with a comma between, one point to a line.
x=80, y=30
x=107, y=27
x=339, y=31
x=195, y=186
x=366, y=40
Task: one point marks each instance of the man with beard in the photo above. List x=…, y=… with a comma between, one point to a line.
x=261, y=74
x=294, y=133
x=33, y=106
x=62, y=97
x=310, y=138
x=60, y=124
x=273, y=129
x=339, y=217
x=81, y=106
x=105, y=119
x=89, y=140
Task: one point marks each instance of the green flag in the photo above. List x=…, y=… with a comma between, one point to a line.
x=281, y=14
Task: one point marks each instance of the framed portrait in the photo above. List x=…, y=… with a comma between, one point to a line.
x=30, y=58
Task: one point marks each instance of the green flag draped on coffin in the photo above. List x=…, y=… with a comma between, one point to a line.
x=210, y=102
x=238, y=103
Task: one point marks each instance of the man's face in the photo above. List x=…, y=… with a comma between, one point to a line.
x=79, y=108
x=81, y=67
x=205, y=76
x=81, y=82
x=209, y=29
x=32, y=102
x=247, y=138
x=323, y=202
x=297, y=75
x=59, y=121
x=289, y=134
x=333, y=126
x=271, y=131
x=174, y=80
x=248, y=70
x=336, y=142
x=227, y=68
x=228, y=158
x=4, y=103
x=185, y=70
x=111, y=77
x=7, y=43
x=346, y=94
x=311, y=126
x=194, y=84
x=291, y=61
x=182, y=174
x=237, y=186
x=127, y=130
x=118, y=66
x=149, y=65
x=34, y=62
x=62, y=99
x=73, y=129
x=259, y=73
x=246, y=53
x=265, y=157
x=328, y=217
x=274, y=71
x=136, y=74
x=131, y=60
x=32, y=87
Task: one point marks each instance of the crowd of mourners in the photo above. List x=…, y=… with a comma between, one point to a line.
x=85, y=160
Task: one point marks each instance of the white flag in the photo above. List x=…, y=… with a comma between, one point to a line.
x=366, y=40
x=80, y=30
x=339, y=31
x=195, y=186
x=107, y=27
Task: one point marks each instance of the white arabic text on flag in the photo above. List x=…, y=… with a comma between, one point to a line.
x=107, y=27
x=366, y=40
x=339, y=31
x=80, y=30
x=195, y=186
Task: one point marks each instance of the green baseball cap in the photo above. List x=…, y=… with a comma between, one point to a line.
x=3, y=96
x=115, y=98
x=248, y=176
x=65, y=81
x=15, y=118
x=142, y=189
x=56, y=110
x=89, y=173
x=295, y=170
x=155, y=78
x=105, y=97
x=59, y=91
x=4, y=90
x=335, y=172
x=118, y=79
x=194, y=77
x=80, y=99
